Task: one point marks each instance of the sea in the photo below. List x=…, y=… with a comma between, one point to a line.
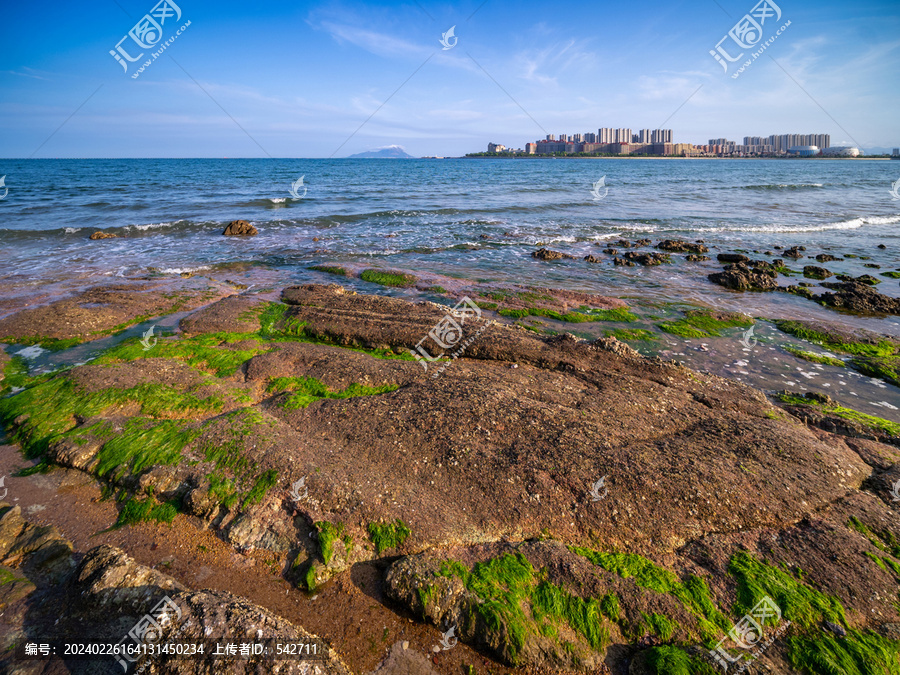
x=473, y=220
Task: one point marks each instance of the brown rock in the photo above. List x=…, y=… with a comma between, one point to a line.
x=99, y=234
x=678, y=246
x=239, y=228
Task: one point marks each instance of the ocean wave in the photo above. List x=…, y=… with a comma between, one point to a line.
x=780, y=186
x=72, y=230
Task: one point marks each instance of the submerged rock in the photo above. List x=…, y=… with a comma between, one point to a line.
x=647, y=259
x=99, y=234
x=732, y=258
x=547, y=254
x=678, y=246
x=858, y=297
x=813, y=272
x=741, y=277
x=826, y=257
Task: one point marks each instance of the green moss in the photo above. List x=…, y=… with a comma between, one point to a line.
x=388, y=278
x=145, y=510
x=799, y=329
x=668, y=660
x=388, y=535
x=883, y=367
x=487, y=305
x=583, y=615
x=815, y=358
x=141, y=444
x=891, y=275
x=436, y=289
x=609, y=605
x=328, y=534
x=859, y=653
x=661, y=625
x=693, y=593
x=700, y=323
x=209, y=352
x=8, y=577
x=15, y=375
x=883, y=539
x=871, y=421
x=618, y=314
x=632, y=334
x=308, y=390
x=799, y=603
x=330, y=269
x=53, y=344
x=265, y=482
x=310, y=578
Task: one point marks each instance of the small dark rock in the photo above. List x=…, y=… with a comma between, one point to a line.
x=732, y=258
x=611, y=251
x=838, y=630
x=620, y=261
x=547, y=254
x=794, y=252
x=593, y=259
x=882, y=246
x=677, y=246
x=647, y=259
x=826, y=257
x=872, y=266
x=697, y=258
x=813, y=272
x=741, y=277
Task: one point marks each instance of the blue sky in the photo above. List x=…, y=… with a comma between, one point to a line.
x=290, y=79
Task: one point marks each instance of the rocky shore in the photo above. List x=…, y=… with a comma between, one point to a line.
x=562, y=504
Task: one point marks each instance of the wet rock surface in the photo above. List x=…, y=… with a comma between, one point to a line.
x=560, y=475
x=740, y=277
x=239, y=228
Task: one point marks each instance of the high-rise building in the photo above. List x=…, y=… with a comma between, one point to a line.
x=661, y=136
x=590, y=138
x=551, y=137
x=644, y=136
x=563, y=138
x=576, y=138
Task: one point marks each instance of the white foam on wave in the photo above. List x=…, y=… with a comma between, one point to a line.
x=72, y=230
x=606, y=236
x=182, y=270
x=150, y=226
x=278, y=200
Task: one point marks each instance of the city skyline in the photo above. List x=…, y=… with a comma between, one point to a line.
x=336, y=78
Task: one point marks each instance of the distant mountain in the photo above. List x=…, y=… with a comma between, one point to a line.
x=390, y=152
